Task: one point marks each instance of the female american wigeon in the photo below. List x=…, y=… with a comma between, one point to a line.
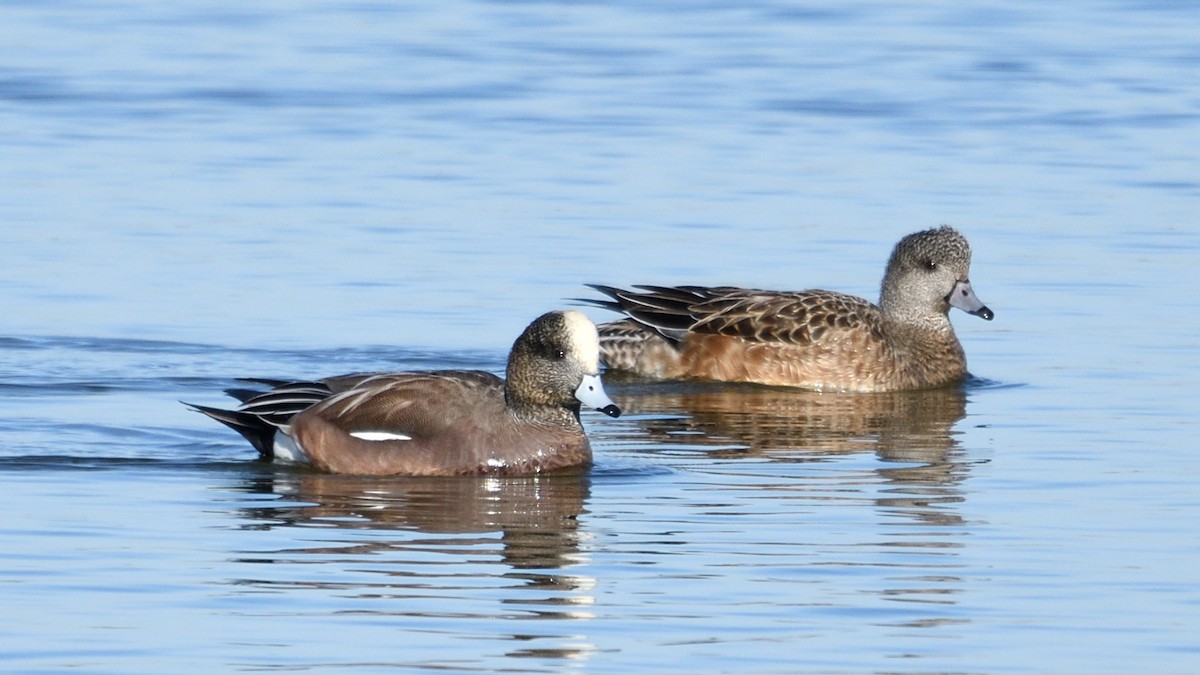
x=437, y=423
x=812, y=339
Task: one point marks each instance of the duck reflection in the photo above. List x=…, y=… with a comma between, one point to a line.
x=536, y=516
x=425, y=547
x=911, y=432
x=775, y=418
x=916, y=487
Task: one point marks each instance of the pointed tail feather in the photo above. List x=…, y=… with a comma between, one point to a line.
x=665, y=310
x=253, y=428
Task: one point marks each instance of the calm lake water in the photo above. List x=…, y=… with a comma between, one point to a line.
x=192, y=192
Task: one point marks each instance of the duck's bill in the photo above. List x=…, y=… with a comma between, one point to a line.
x=962, y=297
x=591, y=393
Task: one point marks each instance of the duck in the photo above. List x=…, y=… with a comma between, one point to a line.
x=438, y=422
x=812, y=339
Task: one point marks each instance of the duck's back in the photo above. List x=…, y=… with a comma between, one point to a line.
x=419, y=405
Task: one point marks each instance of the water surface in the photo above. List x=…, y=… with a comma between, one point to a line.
x=190, y=194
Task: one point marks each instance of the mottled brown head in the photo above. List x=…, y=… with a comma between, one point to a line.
x=928, y=273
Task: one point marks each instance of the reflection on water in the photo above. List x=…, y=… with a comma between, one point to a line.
x=536, y=516
x=900, y=426
x=809, y=487
x=914, y=428
x=413, y=546
x=838, y=485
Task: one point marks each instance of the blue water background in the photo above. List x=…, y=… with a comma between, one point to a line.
x=195, y=192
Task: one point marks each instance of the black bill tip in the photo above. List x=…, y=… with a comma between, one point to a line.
x=611, y=410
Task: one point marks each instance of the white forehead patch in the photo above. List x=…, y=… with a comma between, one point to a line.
x=585, y=341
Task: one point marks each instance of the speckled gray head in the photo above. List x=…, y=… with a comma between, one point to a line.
x=941, y=244
x=930, y=270
x=567, y=347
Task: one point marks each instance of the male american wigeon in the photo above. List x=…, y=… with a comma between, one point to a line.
x=434, y=423
x=811, y=339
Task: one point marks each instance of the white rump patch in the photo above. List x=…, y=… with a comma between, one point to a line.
x=584, y=338
x=380, y=436
x=287, y=450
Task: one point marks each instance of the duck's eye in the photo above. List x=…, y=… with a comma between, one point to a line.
x=558, y=354
x=930, y=265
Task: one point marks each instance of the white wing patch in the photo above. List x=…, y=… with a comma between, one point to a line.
x=380, y=436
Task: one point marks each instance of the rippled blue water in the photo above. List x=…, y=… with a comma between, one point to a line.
x=191, y=193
